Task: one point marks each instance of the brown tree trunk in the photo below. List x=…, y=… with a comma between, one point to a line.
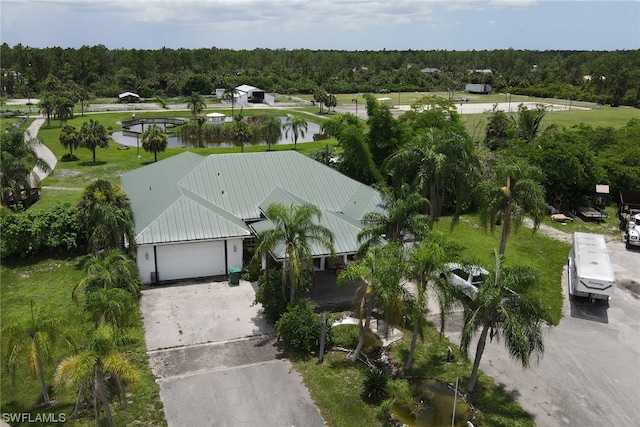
x=416, y=331
x=99, y=387
x=506, y=228
x=43, y=384
x=476, y=363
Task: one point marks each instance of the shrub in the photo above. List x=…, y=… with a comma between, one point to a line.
x=300, y=327
x=28, y=233
x=346, y=336
x=374, y=386
x=270, y=295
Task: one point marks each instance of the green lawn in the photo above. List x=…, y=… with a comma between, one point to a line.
x=48, y=281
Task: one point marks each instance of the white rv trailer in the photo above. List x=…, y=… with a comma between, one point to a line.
x=590, y=271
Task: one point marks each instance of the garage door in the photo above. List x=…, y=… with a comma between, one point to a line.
x=188, y=260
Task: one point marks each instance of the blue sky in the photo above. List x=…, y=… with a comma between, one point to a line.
x=324, y=24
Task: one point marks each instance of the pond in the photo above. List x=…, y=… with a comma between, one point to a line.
x=131, y=138
x=438, y=400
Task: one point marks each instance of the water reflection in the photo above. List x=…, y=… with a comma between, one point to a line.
x=438, y=401
x=207, y=135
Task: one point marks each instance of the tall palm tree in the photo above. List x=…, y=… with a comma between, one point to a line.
x=19, y=161
x=196, y=104
x=401, y=216
x=154, y=140
x=99, y=358
x=513, y=193
x=295, y=231
x=500, y=309
x=32, y=340
x=69, y=138
x=106, y=218
x=426, y=263
x=434, y=162
x=296, y=127
x=93, y=135
x=241, y=133
x=382, y=274
x=271, y=131
x=230, y=93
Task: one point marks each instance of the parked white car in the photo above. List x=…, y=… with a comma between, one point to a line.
x=632, y=235
x=467, y=278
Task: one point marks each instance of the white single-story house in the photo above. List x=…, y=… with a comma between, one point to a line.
x=193, y=213
x=129, y=97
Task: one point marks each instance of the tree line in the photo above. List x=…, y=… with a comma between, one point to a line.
x=606, y=76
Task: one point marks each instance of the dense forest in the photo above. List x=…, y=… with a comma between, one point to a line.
x=607, y=77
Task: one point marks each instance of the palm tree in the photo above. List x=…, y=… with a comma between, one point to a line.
x=101, y=357
x=196, y=104
x=93, y=135
x=19, y=161
x=271, y=131
x=63, y=108
x=400, y=217
x=32, y=339
x=320, y=97
x=382, y=274
x=528, y=122
x=295, y=231
x=154, y=140
x=106, y=218
x=296, y=127
x=521, y=194
x=426, y=263
x=69, y=138
x=114, y=306
x=230, y=93
x=47, y=107
x=499, y=309
x=113, y=270
x=436, y=161
x=241, y=133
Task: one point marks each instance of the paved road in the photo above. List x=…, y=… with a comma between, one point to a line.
x=590, y=372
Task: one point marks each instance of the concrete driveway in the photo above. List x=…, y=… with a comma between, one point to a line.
x=217, y=360
x=590, y=372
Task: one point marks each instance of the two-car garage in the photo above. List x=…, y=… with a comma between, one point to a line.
x=188, y=260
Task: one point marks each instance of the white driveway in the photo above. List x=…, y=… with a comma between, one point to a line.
x=217, y=360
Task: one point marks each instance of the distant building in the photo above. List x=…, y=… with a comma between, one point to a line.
x=129, y=97
x=430, y=70
x=480, y=71
x=216, y=118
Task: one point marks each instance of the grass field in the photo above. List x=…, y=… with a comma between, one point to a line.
x=48, y=282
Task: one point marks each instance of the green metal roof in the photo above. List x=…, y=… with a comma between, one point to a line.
x=190, y=197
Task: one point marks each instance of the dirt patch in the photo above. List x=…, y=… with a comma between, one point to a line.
x=66, y=173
